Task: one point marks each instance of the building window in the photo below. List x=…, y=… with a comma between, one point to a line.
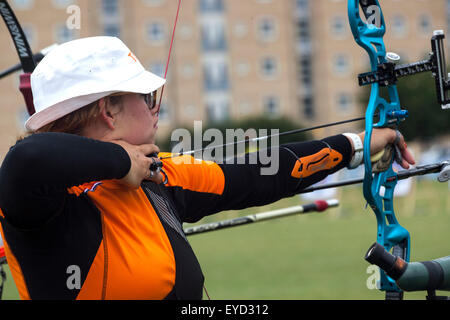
x=110, y=7
x=344, y=102
x=341, y=65
x=399, y=27
x=267, y=29
x=211, y=5
x=425, y=24
x=339, y=27
x=305, y=69
x=303, y=30
x=271, y=106
x=23, y=4
x=111, y=30
x=308, y=107
x=213, y=36
x=269, y=67
x=63, y=34
x=302, y=4
x=156, y=33
x=216, y=76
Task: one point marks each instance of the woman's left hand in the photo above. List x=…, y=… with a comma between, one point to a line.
x=381, y=137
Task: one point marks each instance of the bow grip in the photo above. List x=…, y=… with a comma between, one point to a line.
x=25, y=88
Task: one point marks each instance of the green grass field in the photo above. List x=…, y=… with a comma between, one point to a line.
x=315, y=256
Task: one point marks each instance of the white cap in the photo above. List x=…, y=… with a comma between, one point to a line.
x=82, y=71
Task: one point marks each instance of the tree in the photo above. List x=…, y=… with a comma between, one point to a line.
x=427, y=120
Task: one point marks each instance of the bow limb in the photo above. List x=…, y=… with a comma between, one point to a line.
x=23, y=50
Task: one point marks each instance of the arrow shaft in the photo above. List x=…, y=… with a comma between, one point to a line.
x=275, y=214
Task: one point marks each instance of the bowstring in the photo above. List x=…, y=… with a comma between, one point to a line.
x=170, y=54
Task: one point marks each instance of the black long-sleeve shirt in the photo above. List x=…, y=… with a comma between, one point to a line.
x=72, y=231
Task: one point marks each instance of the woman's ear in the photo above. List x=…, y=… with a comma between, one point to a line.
x=106, y=115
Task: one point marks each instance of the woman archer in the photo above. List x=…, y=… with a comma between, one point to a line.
x=83, y=216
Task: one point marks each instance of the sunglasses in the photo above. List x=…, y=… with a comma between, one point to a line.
x=150, y=99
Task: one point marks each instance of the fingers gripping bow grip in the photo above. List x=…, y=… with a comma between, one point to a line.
x=383, y=160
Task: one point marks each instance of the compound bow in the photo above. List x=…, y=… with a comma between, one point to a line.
x=385, y=73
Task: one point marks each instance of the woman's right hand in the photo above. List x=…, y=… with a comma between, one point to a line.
x=140, y=164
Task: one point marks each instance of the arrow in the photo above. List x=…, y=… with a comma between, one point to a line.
x=317, y=206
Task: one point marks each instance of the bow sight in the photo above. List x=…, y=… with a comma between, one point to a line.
x=389, y=72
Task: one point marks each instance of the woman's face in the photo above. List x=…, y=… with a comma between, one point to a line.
x=136, y=122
